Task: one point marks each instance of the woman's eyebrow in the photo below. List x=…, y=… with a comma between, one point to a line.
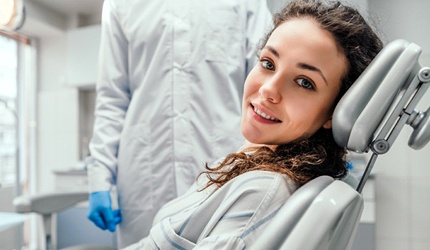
x=312, y=68
x=272, y=50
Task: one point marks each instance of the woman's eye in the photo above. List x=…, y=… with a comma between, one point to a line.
x=305, y=83
x=267, y=64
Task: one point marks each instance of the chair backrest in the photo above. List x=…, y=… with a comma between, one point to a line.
x=324, y=213
x=331, y=224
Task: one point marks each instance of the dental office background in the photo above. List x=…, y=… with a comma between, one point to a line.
x=47, y=96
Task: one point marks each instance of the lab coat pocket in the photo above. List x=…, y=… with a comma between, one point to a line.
x=134, y=169
x=222, y=38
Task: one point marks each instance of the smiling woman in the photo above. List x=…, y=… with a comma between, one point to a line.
x=293, y=86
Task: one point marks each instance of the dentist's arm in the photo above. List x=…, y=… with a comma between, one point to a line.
x=113, y=98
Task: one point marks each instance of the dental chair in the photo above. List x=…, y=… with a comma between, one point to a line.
x=46, y=205
x=325, y=213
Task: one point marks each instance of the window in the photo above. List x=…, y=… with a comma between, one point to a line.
x=8, y=110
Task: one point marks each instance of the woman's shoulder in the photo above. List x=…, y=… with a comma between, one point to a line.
x=256, y=177
x=246, y=203
x=261, y=184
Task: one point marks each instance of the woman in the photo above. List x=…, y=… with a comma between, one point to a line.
x=311, y=57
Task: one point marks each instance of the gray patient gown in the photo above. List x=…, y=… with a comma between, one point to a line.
x=231, y=217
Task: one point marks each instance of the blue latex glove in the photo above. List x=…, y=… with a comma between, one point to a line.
x=100, y=211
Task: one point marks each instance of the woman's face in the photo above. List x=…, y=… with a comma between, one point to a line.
x=289, y=94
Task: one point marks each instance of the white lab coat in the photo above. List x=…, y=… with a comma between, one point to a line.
x=169, y=93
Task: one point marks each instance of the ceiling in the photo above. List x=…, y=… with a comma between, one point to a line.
x=71, y=7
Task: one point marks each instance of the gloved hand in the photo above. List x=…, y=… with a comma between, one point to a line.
x=100, y=211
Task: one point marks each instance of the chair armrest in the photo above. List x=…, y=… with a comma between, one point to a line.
x=48, y=203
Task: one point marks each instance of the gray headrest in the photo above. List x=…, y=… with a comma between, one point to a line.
x=361, y=111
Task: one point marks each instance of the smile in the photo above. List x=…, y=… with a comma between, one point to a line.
x=264, y=115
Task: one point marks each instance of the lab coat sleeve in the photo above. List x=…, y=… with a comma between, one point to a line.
x=113, y=98
x=258, y=25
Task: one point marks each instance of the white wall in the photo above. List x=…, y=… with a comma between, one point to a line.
x=403, y=179
x=275, y=5
x=58, y=109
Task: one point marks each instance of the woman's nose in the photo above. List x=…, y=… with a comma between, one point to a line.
x=270, y=91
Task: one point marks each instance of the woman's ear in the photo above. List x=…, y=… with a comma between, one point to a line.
x=327, y=124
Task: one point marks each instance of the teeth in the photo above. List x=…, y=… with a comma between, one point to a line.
x=264, y=115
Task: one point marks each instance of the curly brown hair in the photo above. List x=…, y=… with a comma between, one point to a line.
x=306, y=159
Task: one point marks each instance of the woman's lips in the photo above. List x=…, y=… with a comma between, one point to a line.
x=263, y=115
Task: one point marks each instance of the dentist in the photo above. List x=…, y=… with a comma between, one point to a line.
x=169, y=93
